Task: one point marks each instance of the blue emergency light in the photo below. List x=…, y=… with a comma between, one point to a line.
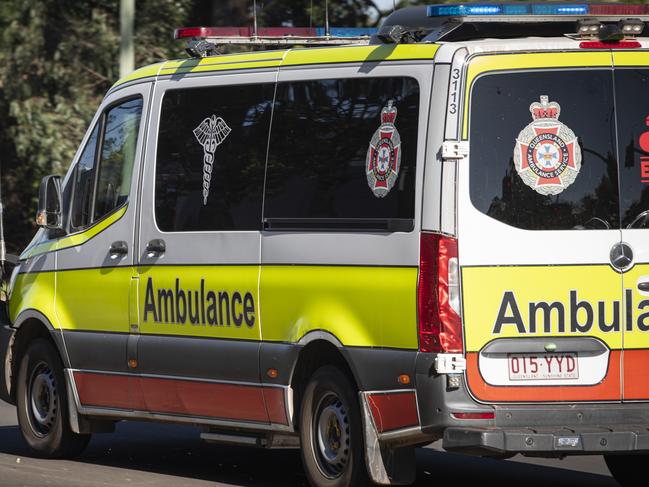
x=485, y=9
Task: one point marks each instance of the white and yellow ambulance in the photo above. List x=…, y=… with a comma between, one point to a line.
x=442, y=234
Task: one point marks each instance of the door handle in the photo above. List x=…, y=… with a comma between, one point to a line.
x=156, y=246
x=643, y=286
x=118, y=248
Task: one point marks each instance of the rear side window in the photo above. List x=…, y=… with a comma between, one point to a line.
x=210, y=160
x=542, y=149
x=632, y=100
x=343, y=153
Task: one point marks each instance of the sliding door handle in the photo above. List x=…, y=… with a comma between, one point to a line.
x=156, y=247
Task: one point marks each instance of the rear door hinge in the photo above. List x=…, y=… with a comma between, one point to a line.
x=455, y=149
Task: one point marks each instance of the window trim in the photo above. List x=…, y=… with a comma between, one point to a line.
x=363, y=225
x=101, y=125
x=538, y=69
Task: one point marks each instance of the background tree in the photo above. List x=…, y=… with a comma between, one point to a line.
x=59, y=57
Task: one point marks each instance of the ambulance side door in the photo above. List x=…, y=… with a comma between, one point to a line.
x=95, y=260
x=200, y=244
x=538, y=221
x=632, y=108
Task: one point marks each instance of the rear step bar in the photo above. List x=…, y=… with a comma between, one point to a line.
x=552, y=442
x=262, y=440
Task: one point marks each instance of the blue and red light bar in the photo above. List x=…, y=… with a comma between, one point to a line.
x=204, y=32
x=541, y=9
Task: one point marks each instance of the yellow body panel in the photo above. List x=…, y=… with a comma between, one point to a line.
x=217, y=279
x=140, y=73
x=631, y=58
x=544, y=60
x=93, y=299
x=361, y=306
x=484, y=297
x=289, y=57
x=637, y=336
x=349, y=54
x=34, y=291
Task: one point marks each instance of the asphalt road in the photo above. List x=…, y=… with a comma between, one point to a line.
x=148, y=454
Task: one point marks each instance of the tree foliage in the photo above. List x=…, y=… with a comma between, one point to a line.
x=59, y=57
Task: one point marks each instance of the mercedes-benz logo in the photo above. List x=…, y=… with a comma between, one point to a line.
x=621, y=257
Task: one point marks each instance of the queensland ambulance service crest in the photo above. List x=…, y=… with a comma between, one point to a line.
x=384, y=154
x=547, y=156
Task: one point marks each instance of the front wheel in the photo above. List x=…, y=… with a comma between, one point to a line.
x=331, y=431
x=626, y=468
x=42, y=404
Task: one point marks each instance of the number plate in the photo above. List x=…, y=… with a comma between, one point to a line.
x=549, y=366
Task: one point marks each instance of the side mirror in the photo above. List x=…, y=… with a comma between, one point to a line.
x=50, y=203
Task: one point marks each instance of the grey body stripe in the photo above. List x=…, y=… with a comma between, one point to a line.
x=199, y=358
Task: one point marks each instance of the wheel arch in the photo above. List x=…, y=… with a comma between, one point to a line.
x=30, y=324
x=317, y=349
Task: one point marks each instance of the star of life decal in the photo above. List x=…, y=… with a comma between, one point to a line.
x=547, y=156
x=383, y=159
x=210, y=134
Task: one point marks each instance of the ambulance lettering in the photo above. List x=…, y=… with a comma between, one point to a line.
x=576, y=317
x=199, y=306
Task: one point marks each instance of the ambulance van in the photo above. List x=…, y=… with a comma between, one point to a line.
x=438, y=233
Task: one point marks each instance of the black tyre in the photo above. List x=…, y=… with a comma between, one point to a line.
x=331, y=431
x=42, y=404
x=627, y=469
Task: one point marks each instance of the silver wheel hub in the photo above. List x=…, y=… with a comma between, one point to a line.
x=43, y=399
x=332, y=436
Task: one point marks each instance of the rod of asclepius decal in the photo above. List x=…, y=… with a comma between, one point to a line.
x=210, y=134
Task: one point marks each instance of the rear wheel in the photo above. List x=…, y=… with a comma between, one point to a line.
x=331, y=431
x=42, y=404
x=626, y=469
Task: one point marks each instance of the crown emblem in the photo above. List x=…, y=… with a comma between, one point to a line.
x=389, y=113
x=545, y=109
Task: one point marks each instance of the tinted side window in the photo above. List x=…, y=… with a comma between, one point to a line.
x=210, y=159
x=544, y=186
x=84, y=182
x=632, y=99
x=343, y=149
x=117, y=155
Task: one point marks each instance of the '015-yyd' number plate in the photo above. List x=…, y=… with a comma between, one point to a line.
x=524, y=366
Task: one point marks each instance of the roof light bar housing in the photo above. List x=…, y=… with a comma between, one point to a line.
x=535, y=9
x=204, y=41
x=463, y=22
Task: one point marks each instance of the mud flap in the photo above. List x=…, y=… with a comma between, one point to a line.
x=386, y=465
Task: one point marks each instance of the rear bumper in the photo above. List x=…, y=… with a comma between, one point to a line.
x=542, y=429
x=557, y=441
x=6, y=339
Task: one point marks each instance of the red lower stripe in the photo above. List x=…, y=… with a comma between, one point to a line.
x=182, y=397
x=636, y=375
x=392, y=411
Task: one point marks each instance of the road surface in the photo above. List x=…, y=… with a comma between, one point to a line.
x=149, y=454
